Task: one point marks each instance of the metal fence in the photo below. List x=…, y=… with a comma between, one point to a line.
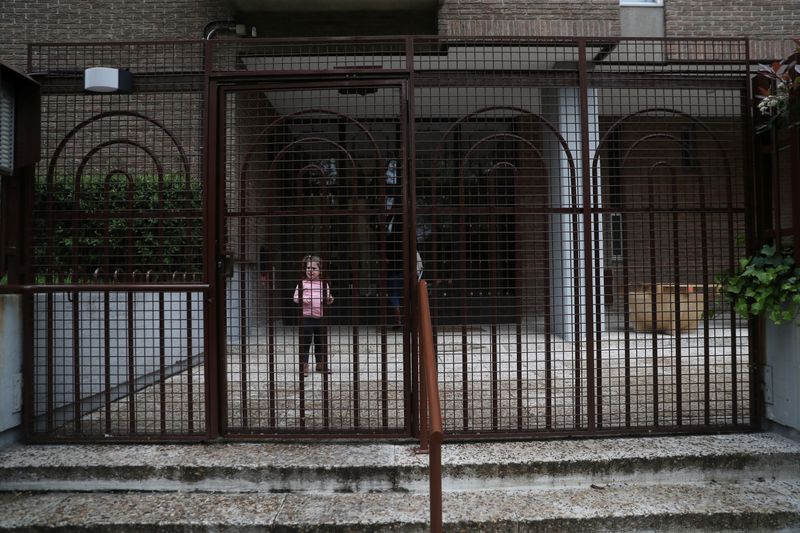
x=569, y=202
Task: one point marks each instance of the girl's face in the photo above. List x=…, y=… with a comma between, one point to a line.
x=312, y=270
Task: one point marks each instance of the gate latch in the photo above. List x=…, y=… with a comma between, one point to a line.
x=225, y=265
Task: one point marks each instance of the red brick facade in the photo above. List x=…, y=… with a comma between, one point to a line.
x=769, y=25
x=26, y=21
x=526, y=18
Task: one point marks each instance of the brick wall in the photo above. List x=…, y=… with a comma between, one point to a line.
x=768, y=24
x=52, y=21
x=527, y=18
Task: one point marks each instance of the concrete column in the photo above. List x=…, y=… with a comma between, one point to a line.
x=568, y=267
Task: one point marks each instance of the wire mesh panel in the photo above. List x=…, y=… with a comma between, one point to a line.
x=314, y=179
x=668, y=214
x=574, y=204
x=118, y=313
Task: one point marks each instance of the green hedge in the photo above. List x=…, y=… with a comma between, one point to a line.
x=155, y=225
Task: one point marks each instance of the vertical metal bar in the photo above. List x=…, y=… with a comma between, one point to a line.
x=707, y=305
x=29, y=367
x=131, y=363
x=243, y=330
x=76, y=361
x=355, y=290
x=731, y=262
x=755, y=337
x=599, y=280
x=462, y=269
x=598, y=348
x=626, y=313
x=548, y=332
x=29, y=362
x=50, y=363
x=189, y=364
x=189, y=326
x=328, y=222
x=302, y=391
x=424, y=406
x=326, y=387
x=357, y=378
x=776, y=191
x=408, y=124
x=271, y=392
x=213, y=308
x=676, y=294
x=384, y=385
x=162, y=362
x=794, y=170
x=654, y=292
x=587, y=230
x=107, y=359
x=300, y=199
x=519, y=276
x=492, y=232
x=576, y=302
x=404, y=243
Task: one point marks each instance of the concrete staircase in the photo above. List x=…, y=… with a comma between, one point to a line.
x=742, y=482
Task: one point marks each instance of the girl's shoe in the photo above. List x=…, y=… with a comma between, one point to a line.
x=323, y=368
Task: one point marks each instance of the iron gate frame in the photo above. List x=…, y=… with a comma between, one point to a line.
x=220, y=87
x=216, y=82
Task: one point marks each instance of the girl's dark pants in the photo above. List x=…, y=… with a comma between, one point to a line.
x=313, y=328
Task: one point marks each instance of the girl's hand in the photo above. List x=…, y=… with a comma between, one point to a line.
x=306, y=300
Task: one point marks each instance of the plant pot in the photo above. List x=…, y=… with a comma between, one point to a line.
x=666, y=318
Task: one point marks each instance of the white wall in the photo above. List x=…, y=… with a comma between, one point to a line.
x=641, y=21
x=10, y=361
x=782, y=374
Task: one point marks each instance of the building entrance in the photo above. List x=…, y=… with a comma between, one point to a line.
x=569, y=203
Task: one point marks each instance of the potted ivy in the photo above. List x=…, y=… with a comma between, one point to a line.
x=766, y=284
x=778, y=90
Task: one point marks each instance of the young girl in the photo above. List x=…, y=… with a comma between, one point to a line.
x=312, y=292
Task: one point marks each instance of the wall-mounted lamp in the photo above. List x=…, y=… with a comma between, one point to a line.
x=107, y=80
x=228, y=26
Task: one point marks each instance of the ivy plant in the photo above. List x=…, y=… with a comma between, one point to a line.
x=766, y=284
x=107, y=224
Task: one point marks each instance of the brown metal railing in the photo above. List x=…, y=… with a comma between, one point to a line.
x=430, y=434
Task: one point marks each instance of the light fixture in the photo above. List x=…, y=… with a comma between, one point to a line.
x=107, y=80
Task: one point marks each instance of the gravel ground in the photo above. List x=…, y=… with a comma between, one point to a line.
x=491, y=379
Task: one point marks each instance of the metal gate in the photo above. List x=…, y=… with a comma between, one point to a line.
x=569, y=202
x=305, y=175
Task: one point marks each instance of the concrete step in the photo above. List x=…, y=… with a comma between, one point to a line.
x=742, y=482
x=382, y=467
x=750, y=506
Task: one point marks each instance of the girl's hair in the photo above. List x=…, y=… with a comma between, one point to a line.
x=310, y=259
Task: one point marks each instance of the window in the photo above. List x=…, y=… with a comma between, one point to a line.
x=653, y=3
x=6, y=130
